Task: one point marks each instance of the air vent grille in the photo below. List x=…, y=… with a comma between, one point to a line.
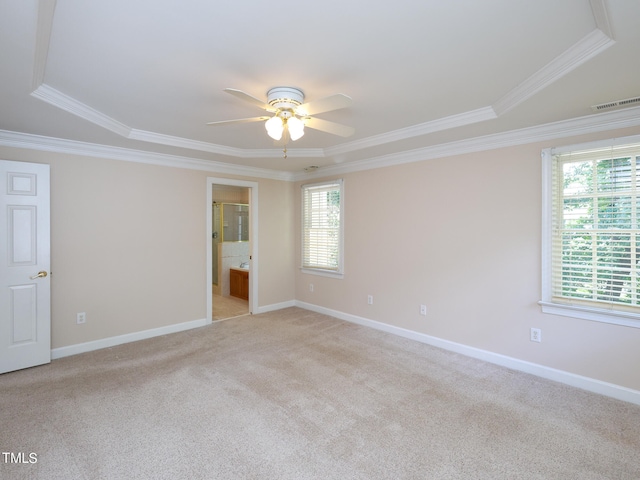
x=629, y=102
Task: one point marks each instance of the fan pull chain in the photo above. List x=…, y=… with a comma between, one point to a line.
x=284, y=151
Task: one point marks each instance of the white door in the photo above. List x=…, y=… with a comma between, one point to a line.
x=25, y=280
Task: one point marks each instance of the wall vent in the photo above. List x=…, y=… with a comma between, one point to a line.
x=629, y=102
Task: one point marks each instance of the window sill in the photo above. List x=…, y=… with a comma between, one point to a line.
x=322, y=273
x=593, y=314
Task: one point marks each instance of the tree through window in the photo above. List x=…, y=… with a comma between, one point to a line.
x=595, y=228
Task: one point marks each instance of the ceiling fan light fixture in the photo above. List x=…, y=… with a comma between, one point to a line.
x=274, y=127
x=288, y=110
x=296, y=128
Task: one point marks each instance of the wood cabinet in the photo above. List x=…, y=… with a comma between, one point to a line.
x=239, y=283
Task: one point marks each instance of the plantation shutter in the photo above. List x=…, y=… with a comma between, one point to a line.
x=596, y=234
x=321, y=226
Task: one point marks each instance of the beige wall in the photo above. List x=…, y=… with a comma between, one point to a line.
x=462, y=235
x=128, y=244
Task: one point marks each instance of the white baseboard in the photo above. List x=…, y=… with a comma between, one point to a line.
x=276, y=306
x=585, y=383
x=154, y=332
x=129, y=337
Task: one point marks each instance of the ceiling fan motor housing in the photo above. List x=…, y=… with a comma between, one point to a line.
x=285, y=98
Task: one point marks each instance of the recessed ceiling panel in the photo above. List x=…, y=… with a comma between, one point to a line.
x=157, y=69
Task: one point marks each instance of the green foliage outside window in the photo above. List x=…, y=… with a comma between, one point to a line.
x=598, y=230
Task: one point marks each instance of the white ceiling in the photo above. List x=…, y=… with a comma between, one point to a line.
x=425, y=77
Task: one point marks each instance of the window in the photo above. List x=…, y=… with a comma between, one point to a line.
x=591, y=233
x=322, y=237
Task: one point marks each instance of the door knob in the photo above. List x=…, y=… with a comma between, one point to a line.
x=41, y=274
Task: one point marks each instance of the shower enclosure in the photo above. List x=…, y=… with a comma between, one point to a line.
x=230, y=224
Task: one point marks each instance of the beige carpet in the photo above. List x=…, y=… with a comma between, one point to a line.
x=297, y=395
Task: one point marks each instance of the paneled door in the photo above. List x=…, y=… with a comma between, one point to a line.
x=25, y=280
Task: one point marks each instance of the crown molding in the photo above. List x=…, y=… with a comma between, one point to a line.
x=601, y=122
x=181, y=142
x=58, y=145
x=445, y=123
x=43, y=36
x=152, y=137
x=586, y=49
x=601, y=16
x=69, y=104
x=58, y=99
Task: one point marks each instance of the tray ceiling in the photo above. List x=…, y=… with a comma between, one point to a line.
x=424, y=77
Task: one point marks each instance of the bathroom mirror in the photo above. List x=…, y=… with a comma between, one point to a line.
x=231, y=222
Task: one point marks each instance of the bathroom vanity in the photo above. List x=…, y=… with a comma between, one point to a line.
x=239, y=283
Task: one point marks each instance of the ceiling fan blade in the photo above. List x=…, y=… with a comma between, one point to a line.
x=326, y=104
x=329, y=127
x=239, y=120
x=249, y=98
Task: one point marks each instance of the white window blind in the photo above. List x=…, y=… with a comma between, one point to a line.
x=322, y=226
x=595, y=228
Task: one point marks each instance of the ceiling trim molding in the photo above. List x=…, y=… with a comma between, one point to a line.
x=69, y=104
x=601, y=16
x=563, y=129
x=584, y=50
x=181, y=142
x=445, y=123
x=159, y=138
x=587, y=48
x=60, y=100
x=629, y=117
x=58, y=145
x=43, y=37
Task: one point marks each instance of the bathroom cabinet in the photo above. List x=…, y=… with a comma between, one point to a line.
x=239, y=283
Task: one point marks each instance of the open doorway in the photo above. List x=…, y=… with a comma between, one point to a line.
x=231, y=246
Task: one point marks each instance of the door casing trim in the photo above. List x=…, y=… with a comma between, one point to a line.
x=253, y=240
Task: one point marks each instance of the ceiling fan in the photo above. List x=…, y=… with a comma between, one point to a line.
x=291, y=115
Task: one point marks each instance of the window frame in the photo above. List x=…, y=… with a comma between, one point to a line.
x=547, y=303
x=328, y=272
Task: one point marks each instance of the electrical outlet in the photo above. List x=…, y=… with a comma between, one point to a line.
x=370, y=299
x=81, y=318
x=536, y=335
x=423, y=310
x=311, y=287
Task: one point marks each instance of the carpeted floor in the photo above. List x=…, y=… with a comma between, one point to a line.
x=297, y=395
